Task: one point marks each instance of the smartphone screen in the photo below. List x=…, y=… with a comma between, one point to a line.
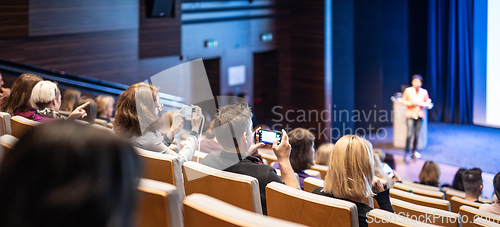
x=388, y=170
x=267, y=136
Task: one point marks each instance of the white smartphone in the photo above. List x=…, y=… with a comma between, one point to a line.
x=388, y=170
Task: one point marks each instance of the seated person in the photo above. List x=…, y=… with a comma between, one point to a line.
x=473, y=184
x=458, y=183
x=494, y=208
x=69, y=98
x=90, y=109
x=105, y=107
x=350, y=176
x=46, y=97
x=4, y=92
x=302, y=154
x=17, y=103
x=384, y=170
x=66, y=174
x=209, y=144
x=233, y=131
x=430, y=173
x=323, y=154
x=136, y=118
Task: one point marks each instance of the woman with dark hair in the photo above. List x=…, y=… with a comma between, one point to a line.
x=302, y=153
x=69, y=98
x=458, y=184
x=430, y=173
x=90, y=109
x=136, y=117
x=66, y=174
x=17, y=103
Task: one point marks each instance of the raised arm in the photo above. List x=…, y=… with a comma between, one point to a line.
x=282, y=152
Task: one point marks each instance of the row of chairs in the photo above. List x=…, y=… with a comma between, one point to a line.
x=161, y=206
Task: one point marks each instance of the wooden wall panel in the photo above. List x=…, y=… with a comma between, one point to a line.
x=52, y=17
x=159, y=37
x=109, y=55
x=308, y=75
x=14, y=18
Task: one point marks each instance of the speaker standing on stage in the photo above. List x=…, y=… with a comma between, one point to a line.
x=416, y=99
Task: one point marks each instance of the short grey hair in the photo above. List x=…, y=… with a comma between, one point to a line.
x=43, y=93
x=232, y=122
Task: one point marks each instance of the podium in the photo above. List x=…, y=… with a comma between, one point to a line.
x=400, y=128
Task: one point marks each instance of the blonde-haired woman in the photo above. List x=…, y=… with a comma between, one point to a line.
x=351, y=176
x=323, y=154
x=105, y=107
x=430, y=173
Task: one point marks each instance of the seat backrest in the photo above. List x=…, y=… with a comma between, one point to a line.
x=420, y=213
x=377, y=217
x=5, y=123
x=469, y=214
x=310, y=183
x=420, y=191
x=19, y=125
x=159, y=205
x=481, y=222
x=321, y=169
x=450, y=192
x=203, y=210
x=421, y=200
x=302, y=207
x=236, y=189
x=457, y=202
x=162, y=167
x=7, y=142
x=100, y=122
x=313, y=173
x=198, y=155
x=422, y=186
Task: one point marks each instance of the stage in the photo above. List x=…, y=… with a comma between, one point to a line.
x=453, y=146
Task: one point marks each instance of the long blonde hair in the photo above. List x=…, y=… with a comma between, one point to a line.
x=350, y=171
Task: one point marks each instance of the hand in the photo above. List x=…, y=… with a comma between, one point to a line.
x=6, y=91
x=196, y=119
x=282, y=151
x=177, y=122
x=377, y=186
x=255, y=146
x=79, y=111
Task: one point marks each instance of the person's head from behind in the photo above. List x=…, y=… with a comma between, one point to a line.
x=496, y=185
x=458, y=183
x=233, y=127
x=105, y=106
x=416, y=81
x=89, y=109
x=137, y=110
x=351, y=169
x=69, y=98
x=430, y=174
x=302, y=153
x=63, y=173
x=473, y=183
x=21, y=93
x=46, y=94
x=323, y=154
